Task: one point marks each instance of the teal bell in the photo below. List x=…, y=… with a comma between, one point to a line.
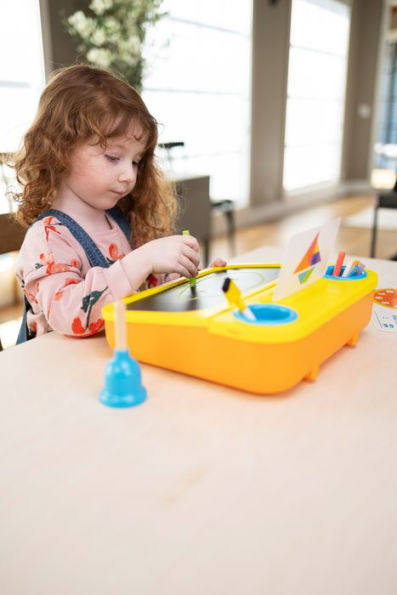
x=123, y=379
x=123, y=384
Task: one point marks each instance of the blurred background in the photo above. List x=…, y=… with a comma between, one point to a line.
x=274, y=115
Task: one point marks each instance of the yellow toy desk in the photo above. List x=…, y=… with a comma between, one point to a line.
x=197, y=332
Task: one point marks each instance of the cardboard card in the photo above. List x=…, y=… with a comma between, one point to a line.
x=384, y=319
x=384, y=312
x=306, y=258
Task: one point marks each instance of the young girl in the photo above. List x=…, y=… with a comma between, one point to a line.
x=97, y=207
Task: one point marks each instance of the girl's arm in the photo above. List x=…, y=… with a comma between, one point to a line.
x=71, y=297
x=61, y=288
x=72, y=304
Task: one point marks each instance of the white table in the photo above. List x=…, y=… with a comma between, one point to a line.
x=202, y=490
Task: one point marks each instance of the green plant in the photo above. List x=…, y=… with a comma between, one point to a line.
x=112, y=35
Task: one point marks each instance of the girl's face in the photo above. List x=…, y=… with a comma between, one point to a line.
x=101, y=176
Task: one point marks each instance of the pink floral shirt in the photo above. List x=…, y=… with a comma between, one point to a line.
x=65, y=292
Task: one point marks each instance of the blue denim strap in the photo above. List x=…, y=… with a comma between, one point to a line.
x=94, y=255
x=121, y=220
x=24, y=332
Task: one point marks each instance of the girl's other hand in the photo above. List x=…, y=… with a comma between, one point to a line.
x=218, y=262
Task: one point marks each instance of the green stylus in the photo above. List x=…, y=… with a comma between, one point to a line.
x=192, y=280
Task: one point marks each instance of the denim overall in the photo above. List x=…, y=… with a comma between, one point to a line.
x=94, y=255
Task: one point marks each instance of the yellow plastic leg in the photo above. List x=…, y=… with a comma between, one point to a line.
x=353, y=340
x=312, y=375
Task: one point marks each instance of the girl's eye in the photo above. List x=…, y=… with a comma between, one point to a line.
x=112, y=158
x=136, y=163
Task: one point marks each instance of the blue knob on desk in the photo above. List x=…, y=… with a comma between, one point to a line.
x=123, y=383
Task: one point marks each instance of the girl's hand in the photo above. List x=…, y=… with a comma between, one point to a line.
x=218, y=262
x=175, y=254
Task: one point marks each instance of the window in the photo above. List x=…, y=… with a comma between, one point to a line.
x=21, y=75
x=198, y=88
x=386, y=145
x=316, y=92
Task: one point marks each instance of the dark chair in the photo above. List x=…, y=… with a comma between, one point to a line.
x=385, y=200
x=195, y=210
x=11, y=238
x=225, y=206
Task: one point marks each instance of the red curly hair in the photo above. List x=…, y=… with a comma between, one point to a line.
x=81, y=102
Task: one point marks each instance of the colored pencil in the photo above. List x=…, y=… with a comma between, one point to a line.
x=339, y=263
x=192, y=280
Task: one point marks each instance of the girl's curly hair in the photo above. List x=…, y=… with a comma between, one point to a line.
x=81, y=102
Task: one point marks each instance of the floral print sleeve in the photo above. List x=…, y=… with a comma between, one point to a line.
x=65, y=293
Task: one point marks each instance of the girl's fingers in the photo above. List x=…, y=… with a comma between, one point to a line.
x=190, y=270
x=191, y=242
x=183, y=272
x=192, y=255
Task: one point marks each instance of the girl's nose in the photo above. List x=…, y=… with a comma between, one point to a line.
x=128, y=174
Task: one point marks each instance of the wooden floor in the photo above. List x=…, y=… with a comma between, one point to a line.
x=353, y=240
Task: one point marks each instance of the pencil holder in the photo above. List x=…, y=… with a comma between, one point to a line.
x=269, y=314
x=330, y=270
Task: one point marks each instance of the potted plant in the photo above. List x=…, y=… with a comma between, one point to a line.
x=112, y=35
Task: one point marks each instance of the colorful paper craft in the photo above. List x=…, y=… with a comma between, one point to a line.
x=308, y=262
x=306, y=258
